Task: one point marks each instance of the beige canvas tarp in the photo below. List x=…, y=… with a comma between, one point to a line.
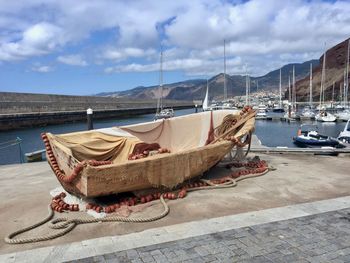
x=117, y=143
x=182, y=133
x=97, y=146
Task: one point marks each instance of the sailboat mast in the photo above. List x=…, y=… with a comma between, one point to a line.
x=340, y=93
x=248, y=90
x=280, y=104
x=333, y=93
x=289, y=91
x=344, y=88
x=225, y=88
x=322, y=80
x=294, y=91
x=246, y=86
x=310, y=85
x=160, y=98
x=347, y=73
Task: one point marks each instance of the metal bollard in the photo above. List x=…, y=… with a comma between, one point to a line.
x=90, y=124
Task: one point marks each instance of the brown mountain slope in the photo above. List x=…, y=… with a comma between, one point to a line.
x=335, y=65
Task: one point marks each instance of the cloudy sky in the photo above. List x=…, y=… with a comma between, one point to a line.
x=86, y=47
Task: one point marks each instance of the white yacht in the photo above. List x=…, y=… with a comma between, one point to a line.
x=165, y=114
x=262, y=107
x=344, y=115
x=344, y=136
x=228, y=106
x=325, y=117
x=293, y=115
x=308, y=113
x=261, y=114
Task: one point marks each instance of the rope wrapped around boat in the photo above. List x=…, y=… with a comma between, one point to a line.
x=64, y=225
x=77, y=169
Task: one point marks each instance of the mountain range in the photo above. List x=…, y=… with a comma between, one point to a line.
x=195, y=89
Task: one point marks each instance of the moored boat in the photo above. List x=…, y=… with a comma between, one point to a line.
x=165, y=114
x=344, y=136
x=163, y=153
x=307, y=113
x=308, y=136
x=261, y=115
x=325, y=116
x=344, y=115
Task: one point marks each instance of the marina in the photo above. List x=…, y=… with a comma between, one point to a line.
x=273, y=131
x=266, y=130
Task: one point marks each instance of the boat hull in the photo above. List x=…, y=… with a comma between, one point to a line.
x=325, y=118
x=314, y=143
x=280, y=110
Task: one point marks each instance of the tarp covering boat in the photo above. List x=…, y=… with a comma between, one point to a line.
x=112, y=170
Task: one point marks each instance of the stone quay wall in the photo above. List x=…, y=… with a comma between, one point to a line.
x=20, y=110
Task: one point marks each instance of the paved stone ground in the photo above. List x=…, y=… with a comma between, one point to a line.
x=318, y=238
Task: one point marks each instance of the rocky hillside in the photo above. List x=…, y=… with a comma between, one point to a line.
x=195, y=89
x=335, y=66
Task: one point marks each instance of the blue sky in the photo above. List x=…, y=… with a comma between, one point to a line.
x=86, y=47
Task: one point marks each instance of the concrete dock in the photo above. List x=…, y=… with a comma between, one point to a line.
x=301, y=186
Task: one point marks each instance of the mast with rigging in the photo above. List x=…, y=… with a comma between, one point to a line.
x=310, y=99
x=225, y=88
x=160, y=97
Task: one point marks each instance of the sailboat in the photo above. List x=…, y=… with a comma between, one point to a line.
x=292, y=112
x=162, y=113
x=322, y=114
x=205, y=105
x=279, y=108
x=224, y=104
x=307, y=111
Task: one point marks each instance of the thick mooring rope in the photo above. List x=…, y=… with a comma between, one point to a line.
x=66, y=225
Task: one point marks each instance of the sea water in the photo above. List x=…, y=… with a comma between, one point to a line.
x=270, y=133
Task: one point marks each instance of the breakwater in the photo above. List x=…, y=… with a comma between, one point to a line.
x=35, y=119
x=20, y=110
x=14, y=103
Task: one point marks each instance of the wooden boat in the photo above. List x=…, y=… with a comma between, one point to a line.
x=105, y=161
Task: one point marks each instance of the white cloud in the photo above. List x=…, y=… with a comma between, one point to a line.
x=73, y=60
x=262, y=33
x=42, y=69
x=119, y=54
x=190, y=65
x=39, y=39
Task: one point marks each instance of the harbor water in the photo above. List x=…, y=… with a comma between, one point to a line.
x=271, y=133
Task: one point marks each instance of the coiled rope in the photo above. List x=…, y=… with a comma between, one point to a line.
x=68, y=224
